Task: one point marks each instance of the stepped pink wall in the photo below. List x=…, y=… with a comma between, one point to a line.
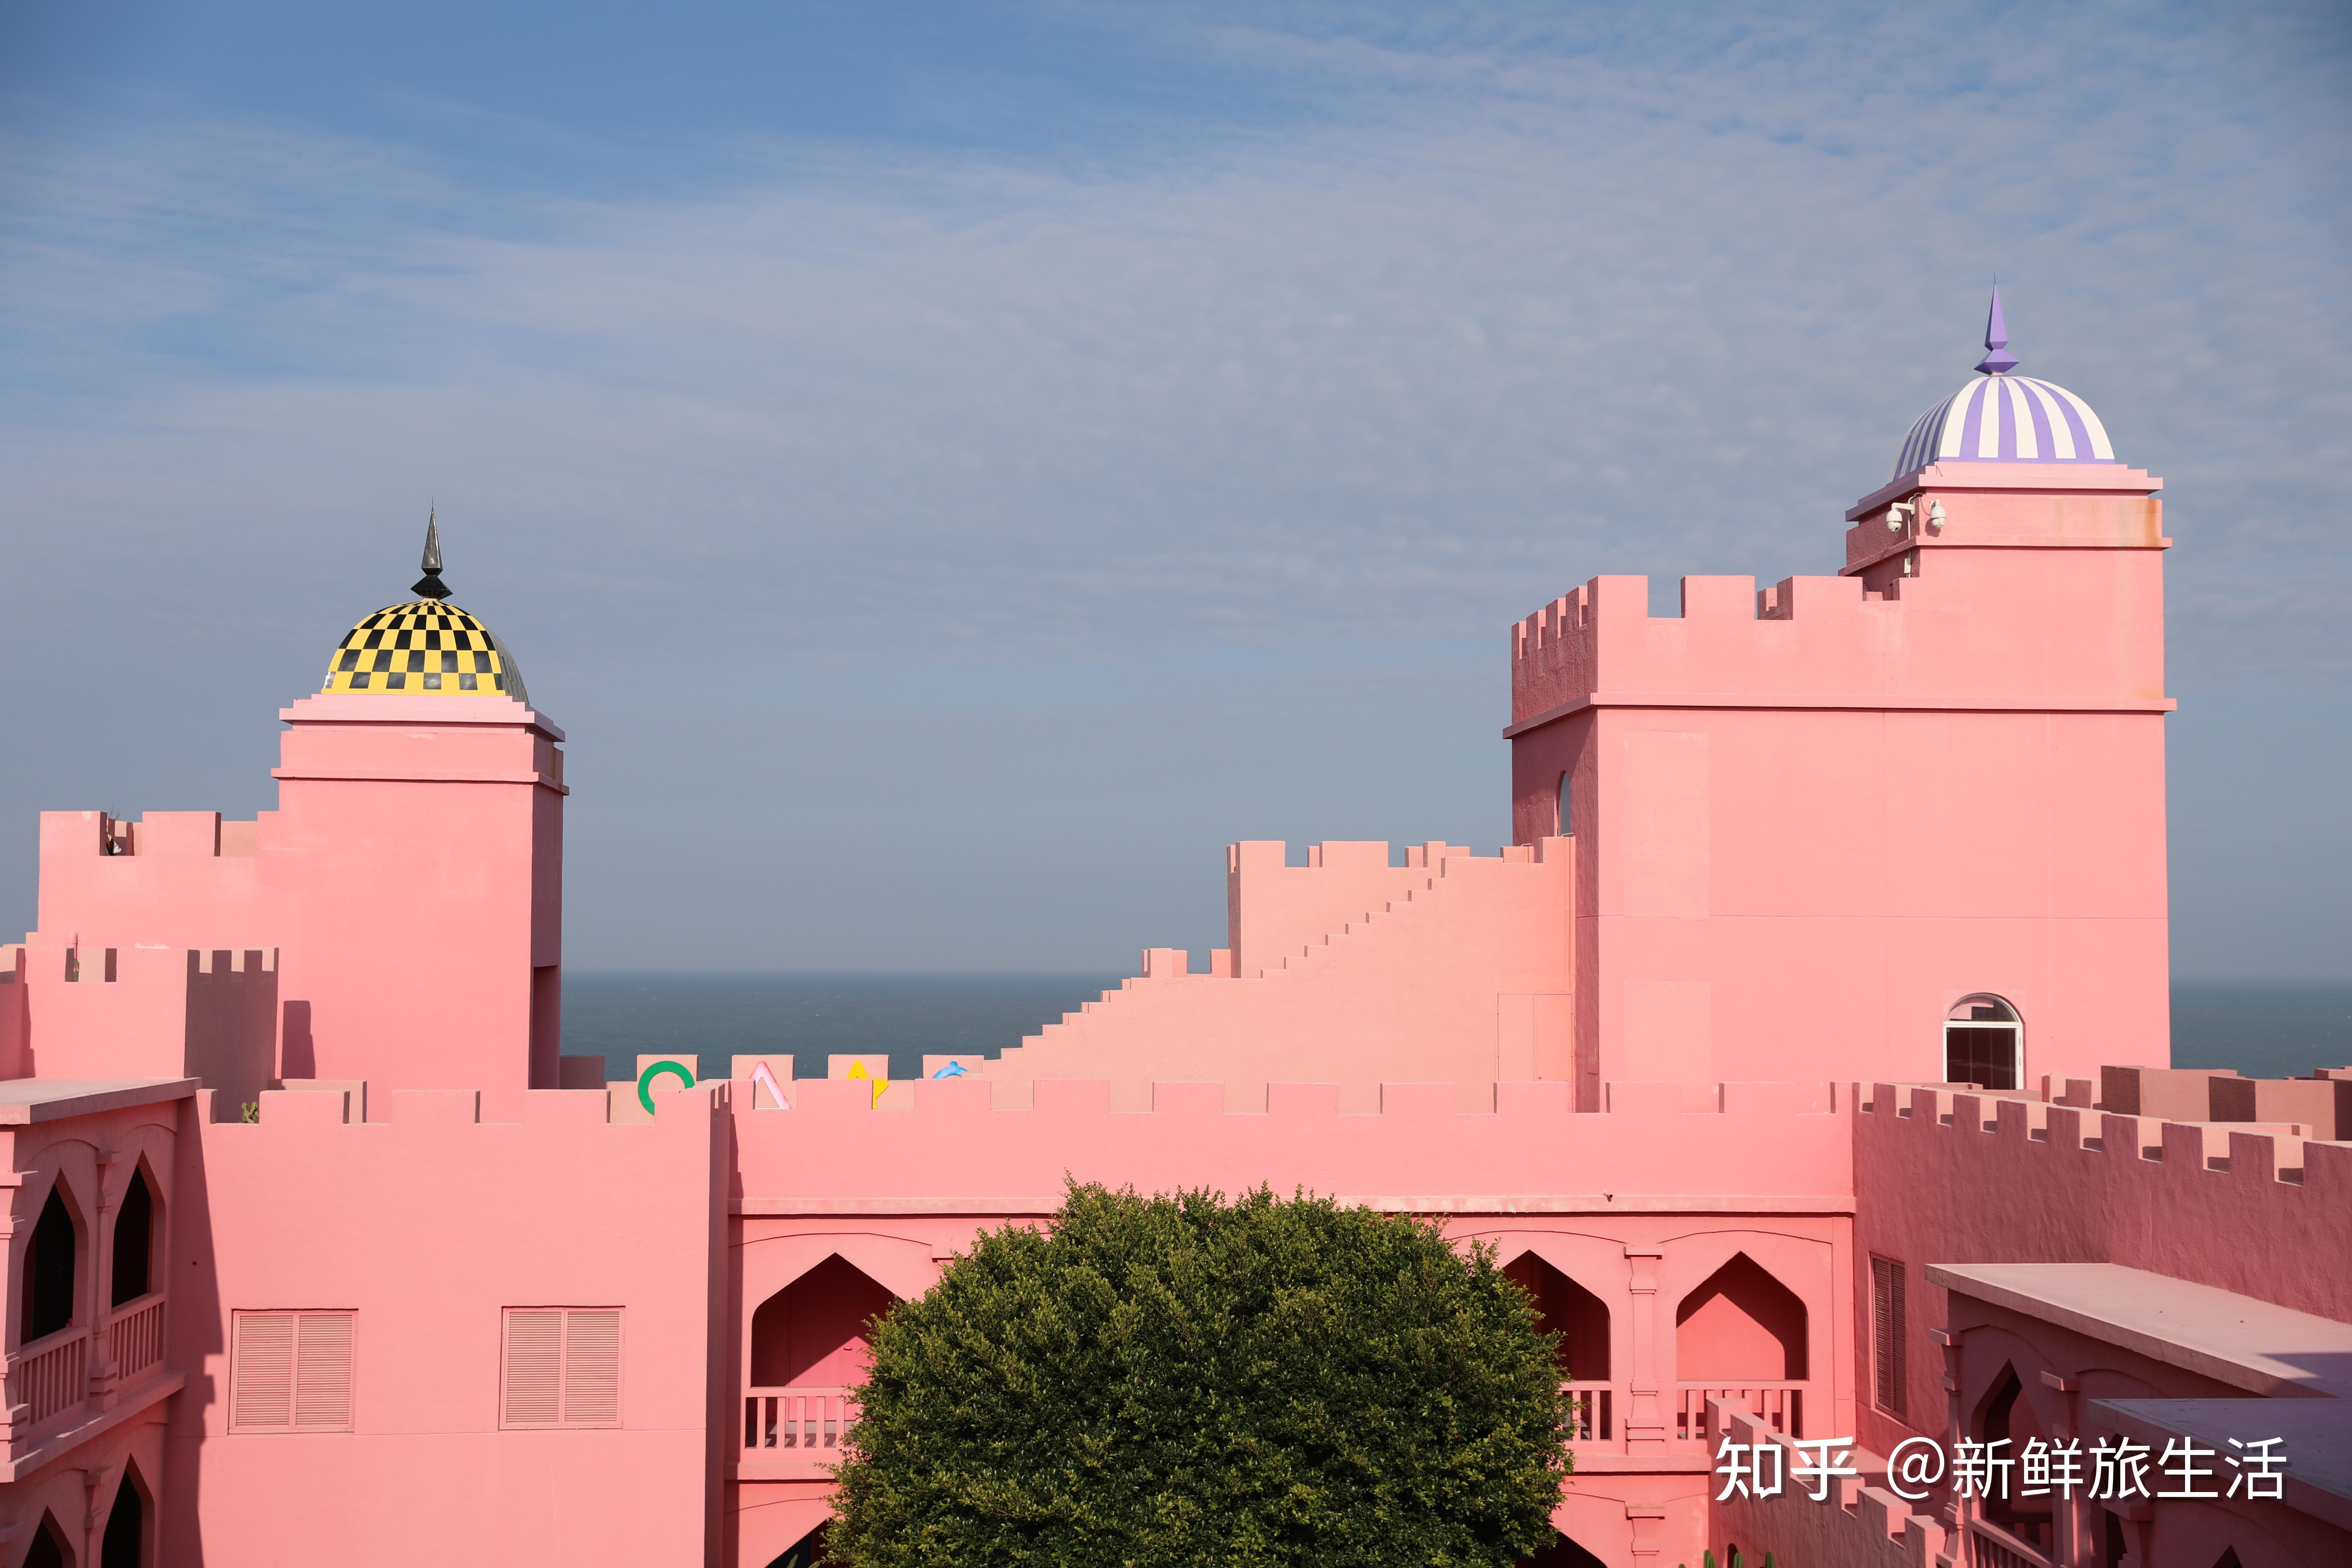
x=1352, y=972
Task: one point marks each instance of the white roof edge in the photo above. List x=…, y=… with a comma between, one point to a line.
x=2198, y=1328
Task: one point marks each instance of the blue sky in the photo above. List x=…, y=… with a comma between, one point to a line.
x=952, y=467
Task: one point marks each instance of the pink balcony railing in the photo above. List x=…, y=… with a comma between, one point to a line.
x=1781, y=1405
x=52, y=1374
x=1593, y=1416
x=798, y=1419
x=135, y=1337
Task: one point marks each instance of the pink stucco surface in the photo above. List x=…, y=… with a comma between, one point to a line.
x=427, y=1224
x=1950, y=759
x=1642, y=1205
x=2016, y=1181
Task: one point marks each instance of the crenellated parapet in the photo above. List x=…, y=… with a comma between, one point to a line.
x=1950, y=1175
x=1450, y=967
x=969, y=1144
x=1978, y=585
x=1948, y=756
x=142, y=1011
x=1860, y=1522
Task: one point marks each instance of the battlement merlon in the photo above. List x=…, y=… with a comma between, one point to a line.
x=170, y=834
x=1988, y=595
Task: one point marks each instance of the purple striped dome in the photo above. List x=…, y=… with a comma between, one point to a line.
x=2004, y=418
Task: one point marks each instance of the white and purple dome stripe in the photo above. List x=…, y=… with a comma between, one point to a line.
x=2006, y=419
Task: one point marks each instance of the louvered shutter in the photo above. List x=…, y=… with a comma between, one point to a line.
x=534, y=1367
x=1899, y=1372
x=291, y=1371
x=591, y=1367
x=322, y=1372
x=1886, y=1333
x=263, y=1371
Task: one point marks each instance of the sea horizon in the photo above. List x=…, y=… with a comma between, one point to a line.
x=2260, y=1028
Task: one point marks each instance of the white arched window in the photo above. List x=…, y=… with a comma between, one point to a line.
x=1984, y=1043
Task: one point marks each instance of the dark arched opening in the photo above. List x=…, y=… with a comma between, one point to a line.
x=809, y=1347
x=1739, y=1335
x=48, y=1549
x=1569, y=1309
x=1740, y=1324
x=1561, y=1553
x=806, y=1553
x=1984, y=1043
x=814, y=1331
x=49, y=1270
x=2007, y=1412
x=134, y=1239
x=124, y=1543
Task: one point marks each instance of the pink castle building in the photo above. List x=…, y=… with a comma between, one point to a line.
x=1805, y=1055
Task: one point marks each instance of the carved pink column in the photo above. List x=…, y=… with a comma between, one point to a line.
x=1645, y=1421
x=93, y=1482
x=101, y=1363
x=2068, y=1549
x=16, y=1415
x=1956, y=1508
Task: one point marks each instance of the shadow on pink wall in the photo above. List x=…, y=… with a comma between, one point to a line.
x=814, y=1331
x=1740, y=1324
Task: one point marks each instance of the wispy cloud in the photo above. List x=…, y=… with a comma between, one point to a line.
x=1513, y=304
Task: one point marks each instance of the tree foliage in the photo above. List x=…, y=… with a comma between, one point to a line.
x=1181, y=1380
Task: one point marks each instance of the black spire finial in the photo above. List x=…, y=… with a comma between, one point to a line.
x=430, y=585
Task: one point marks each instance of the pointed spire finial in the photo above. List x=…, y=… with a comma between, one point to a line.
x=1998, y=359
x=430, y=585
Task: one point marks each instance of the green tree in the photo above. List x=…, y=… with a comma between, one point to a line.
x=1182, y=1380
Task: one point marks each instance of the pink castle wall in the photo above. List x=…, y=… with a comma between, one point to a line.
x=429, y=1223
x=1945, y=1175
x=2014, y=1180
x=1642, y=1204
x=1452, y=969
x=142, y=1011
x=1958, y=772
x=414, y=869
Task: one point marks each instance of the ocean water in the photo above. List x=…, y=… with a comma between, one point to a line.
x=2263, y=1028
x=716, y=1016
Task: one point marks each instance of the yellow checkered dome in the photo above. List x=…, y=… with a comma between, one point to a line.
x=424, y=648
